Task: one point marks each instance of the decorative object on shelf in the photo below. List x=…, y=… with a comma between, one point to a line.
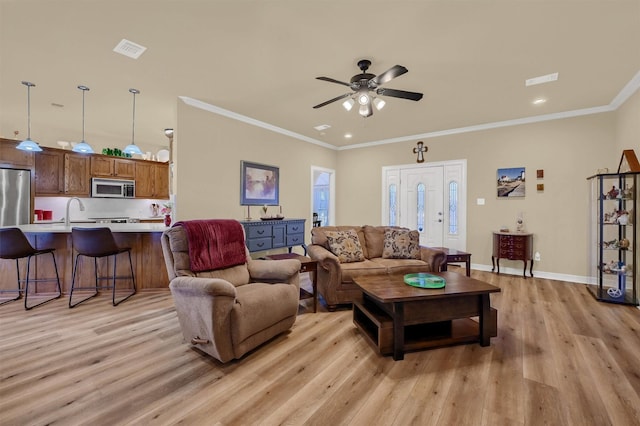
x=28, y=144
x=133, y=148
x=420, y=150
x=511, y=182
x=520, y=222
x=83, y=146
x=63, y=144
x=259, y=184
x=166, y=211
x=155, y=209
x=115, y=152
x=163, y=155
x=363, y=84
x=264, y=211
x=628, y=162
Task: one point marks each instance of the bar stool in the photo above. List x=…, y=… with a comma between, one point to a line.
x=97, y=243
x=15, y=245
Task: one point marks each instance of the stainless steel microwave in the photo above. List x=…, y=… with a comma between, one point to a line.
x=113, y=188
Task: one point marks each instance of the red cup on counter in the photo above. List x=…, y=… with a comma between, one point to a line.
x=47, y=214
x=38, y=214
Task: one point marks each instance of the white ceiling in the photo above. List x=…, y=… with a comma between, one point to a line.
x=260, y=59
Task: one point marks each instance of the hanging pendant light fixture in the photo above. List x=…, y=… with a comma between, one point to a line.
x=133, y=148
x=83, y=147
x=28, y=144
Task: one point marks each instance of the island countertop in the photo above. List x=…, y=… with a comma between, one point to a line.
x=61, y=228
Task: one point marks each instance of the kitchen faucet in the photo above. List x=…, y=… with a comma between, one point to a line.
x=67, y=222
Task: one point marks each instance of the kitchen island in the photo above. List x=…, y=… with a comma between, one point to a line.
x=146, y=255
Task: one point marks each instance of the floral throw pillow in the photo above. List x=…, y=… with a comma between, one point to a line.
x=345, y=245
x=401, y=244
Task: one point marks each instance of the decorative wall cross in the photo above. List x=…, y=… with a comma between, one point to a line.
x=420, y=150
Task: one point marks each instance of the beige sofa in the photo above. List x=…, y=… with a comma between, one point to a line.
x=228, y=312
x=335, y=278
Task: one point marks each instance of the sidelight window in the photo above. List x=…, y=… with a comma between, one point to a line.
x=453, y=207
x=420, y=205
x=393, y=204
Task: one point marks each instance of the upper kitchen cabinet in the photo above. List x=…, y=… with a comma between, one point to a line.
x=76, y=175
x=12, y=157
x=152, y=180
x=110, y=167
x=59, y=173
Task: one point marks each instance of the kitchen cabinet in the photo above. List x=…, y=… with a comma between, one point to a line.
x=272, y=234
x=59, y=172
x=152, y=180
x=49, y=172
x=14, y=158
x=112, y=167
x=613, y=249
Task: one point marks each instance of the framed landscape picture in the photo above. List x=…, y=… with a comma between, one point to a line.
x=259, y=184
x=511, y=182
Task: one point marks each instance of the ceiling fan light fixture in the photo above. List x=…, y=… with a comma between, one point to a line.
x=363, y=111
x=363, y=99
x=348, y=104
x=379, y=103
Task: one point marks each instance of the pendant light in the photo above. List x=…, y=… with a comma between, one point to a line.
x=28, y=144
x=83, y=147
x=133, y=148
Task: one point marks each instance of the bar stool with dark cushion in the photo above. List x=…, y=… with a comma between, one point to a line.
x=97, y=243
x=15, y=245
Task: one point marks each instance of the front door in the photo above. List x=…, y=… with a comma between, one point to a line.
x=422, y=203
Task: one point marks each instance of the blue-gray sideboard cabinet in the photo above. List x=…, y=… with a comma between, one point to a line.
x=271, y=234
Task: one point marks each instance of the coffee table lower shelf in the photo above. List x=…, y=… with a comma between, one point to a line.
x=377, y=327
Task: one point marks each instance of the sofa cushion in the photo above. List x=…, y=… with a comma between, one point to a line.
x=374, y=237
x=319, y=237
x=358, y=269
x=345, y=245
x=402, y=266
x=401, y=244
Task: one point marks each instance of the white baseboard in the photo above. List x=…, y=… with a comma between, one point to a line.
x=538, y=274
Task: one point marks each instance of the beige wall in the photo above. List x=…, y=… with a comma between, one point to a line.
x=628, y=125
x=209, y=150
x=567, y=150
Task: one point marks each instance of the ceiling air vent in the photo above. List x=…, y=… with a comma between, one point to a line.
x=129, y=48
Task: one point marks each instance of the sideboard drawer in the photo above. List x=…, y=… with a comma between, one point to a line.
x=295, y=240
x=260, y=231
x=295, y=228
x=259, y=244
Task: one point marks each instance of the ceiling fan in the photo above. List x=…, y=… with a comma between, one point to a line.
x=365, y=83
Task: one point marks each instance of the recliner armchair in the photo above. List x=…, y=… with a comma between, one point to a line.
x=228, y=312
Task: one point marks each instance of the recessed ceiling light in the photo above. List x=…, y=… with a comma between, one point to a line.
x=322, y=127
x=348, y=135
x=542, y=79
x=539, y=101
x=129, y=48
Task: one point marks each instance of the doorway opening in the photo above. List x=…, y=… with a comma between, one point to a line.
x=322, y=196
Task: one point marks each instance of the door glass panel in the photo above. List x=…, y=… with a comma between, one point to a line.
x=453, y=207
x=393, y=204
x=321, y=197
x=420, y=191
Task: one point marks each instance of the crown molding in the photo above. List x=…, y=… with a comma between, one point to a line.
x=627, y=91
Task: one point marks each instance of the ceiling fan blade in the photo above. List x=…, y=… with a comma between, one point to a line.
x=337, y=98
x=333, y=80
x=390, y=74
x=414, y=96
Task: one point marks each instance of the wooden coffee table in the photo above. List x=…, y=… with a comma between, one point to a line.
x=398, y=318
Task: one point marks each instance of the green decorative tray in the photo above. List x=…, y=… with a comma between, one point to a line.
x=424, y=280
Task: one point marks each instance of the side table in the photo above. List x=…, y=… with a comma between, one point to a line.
x=454, y=256
x=306, y=265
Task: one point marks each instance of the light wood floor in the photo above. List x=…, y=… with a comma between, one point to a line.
x=560, y=358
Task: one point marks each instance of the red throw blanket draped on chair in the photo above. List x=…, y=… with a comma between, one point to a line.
x=214, y=244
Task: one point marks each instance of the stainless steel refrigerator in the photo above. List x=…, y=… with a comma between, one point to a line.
x=15, y=197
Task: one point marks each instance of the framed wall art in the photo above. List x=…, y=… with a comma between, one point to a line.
x=259, y=184
x=511, y=182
